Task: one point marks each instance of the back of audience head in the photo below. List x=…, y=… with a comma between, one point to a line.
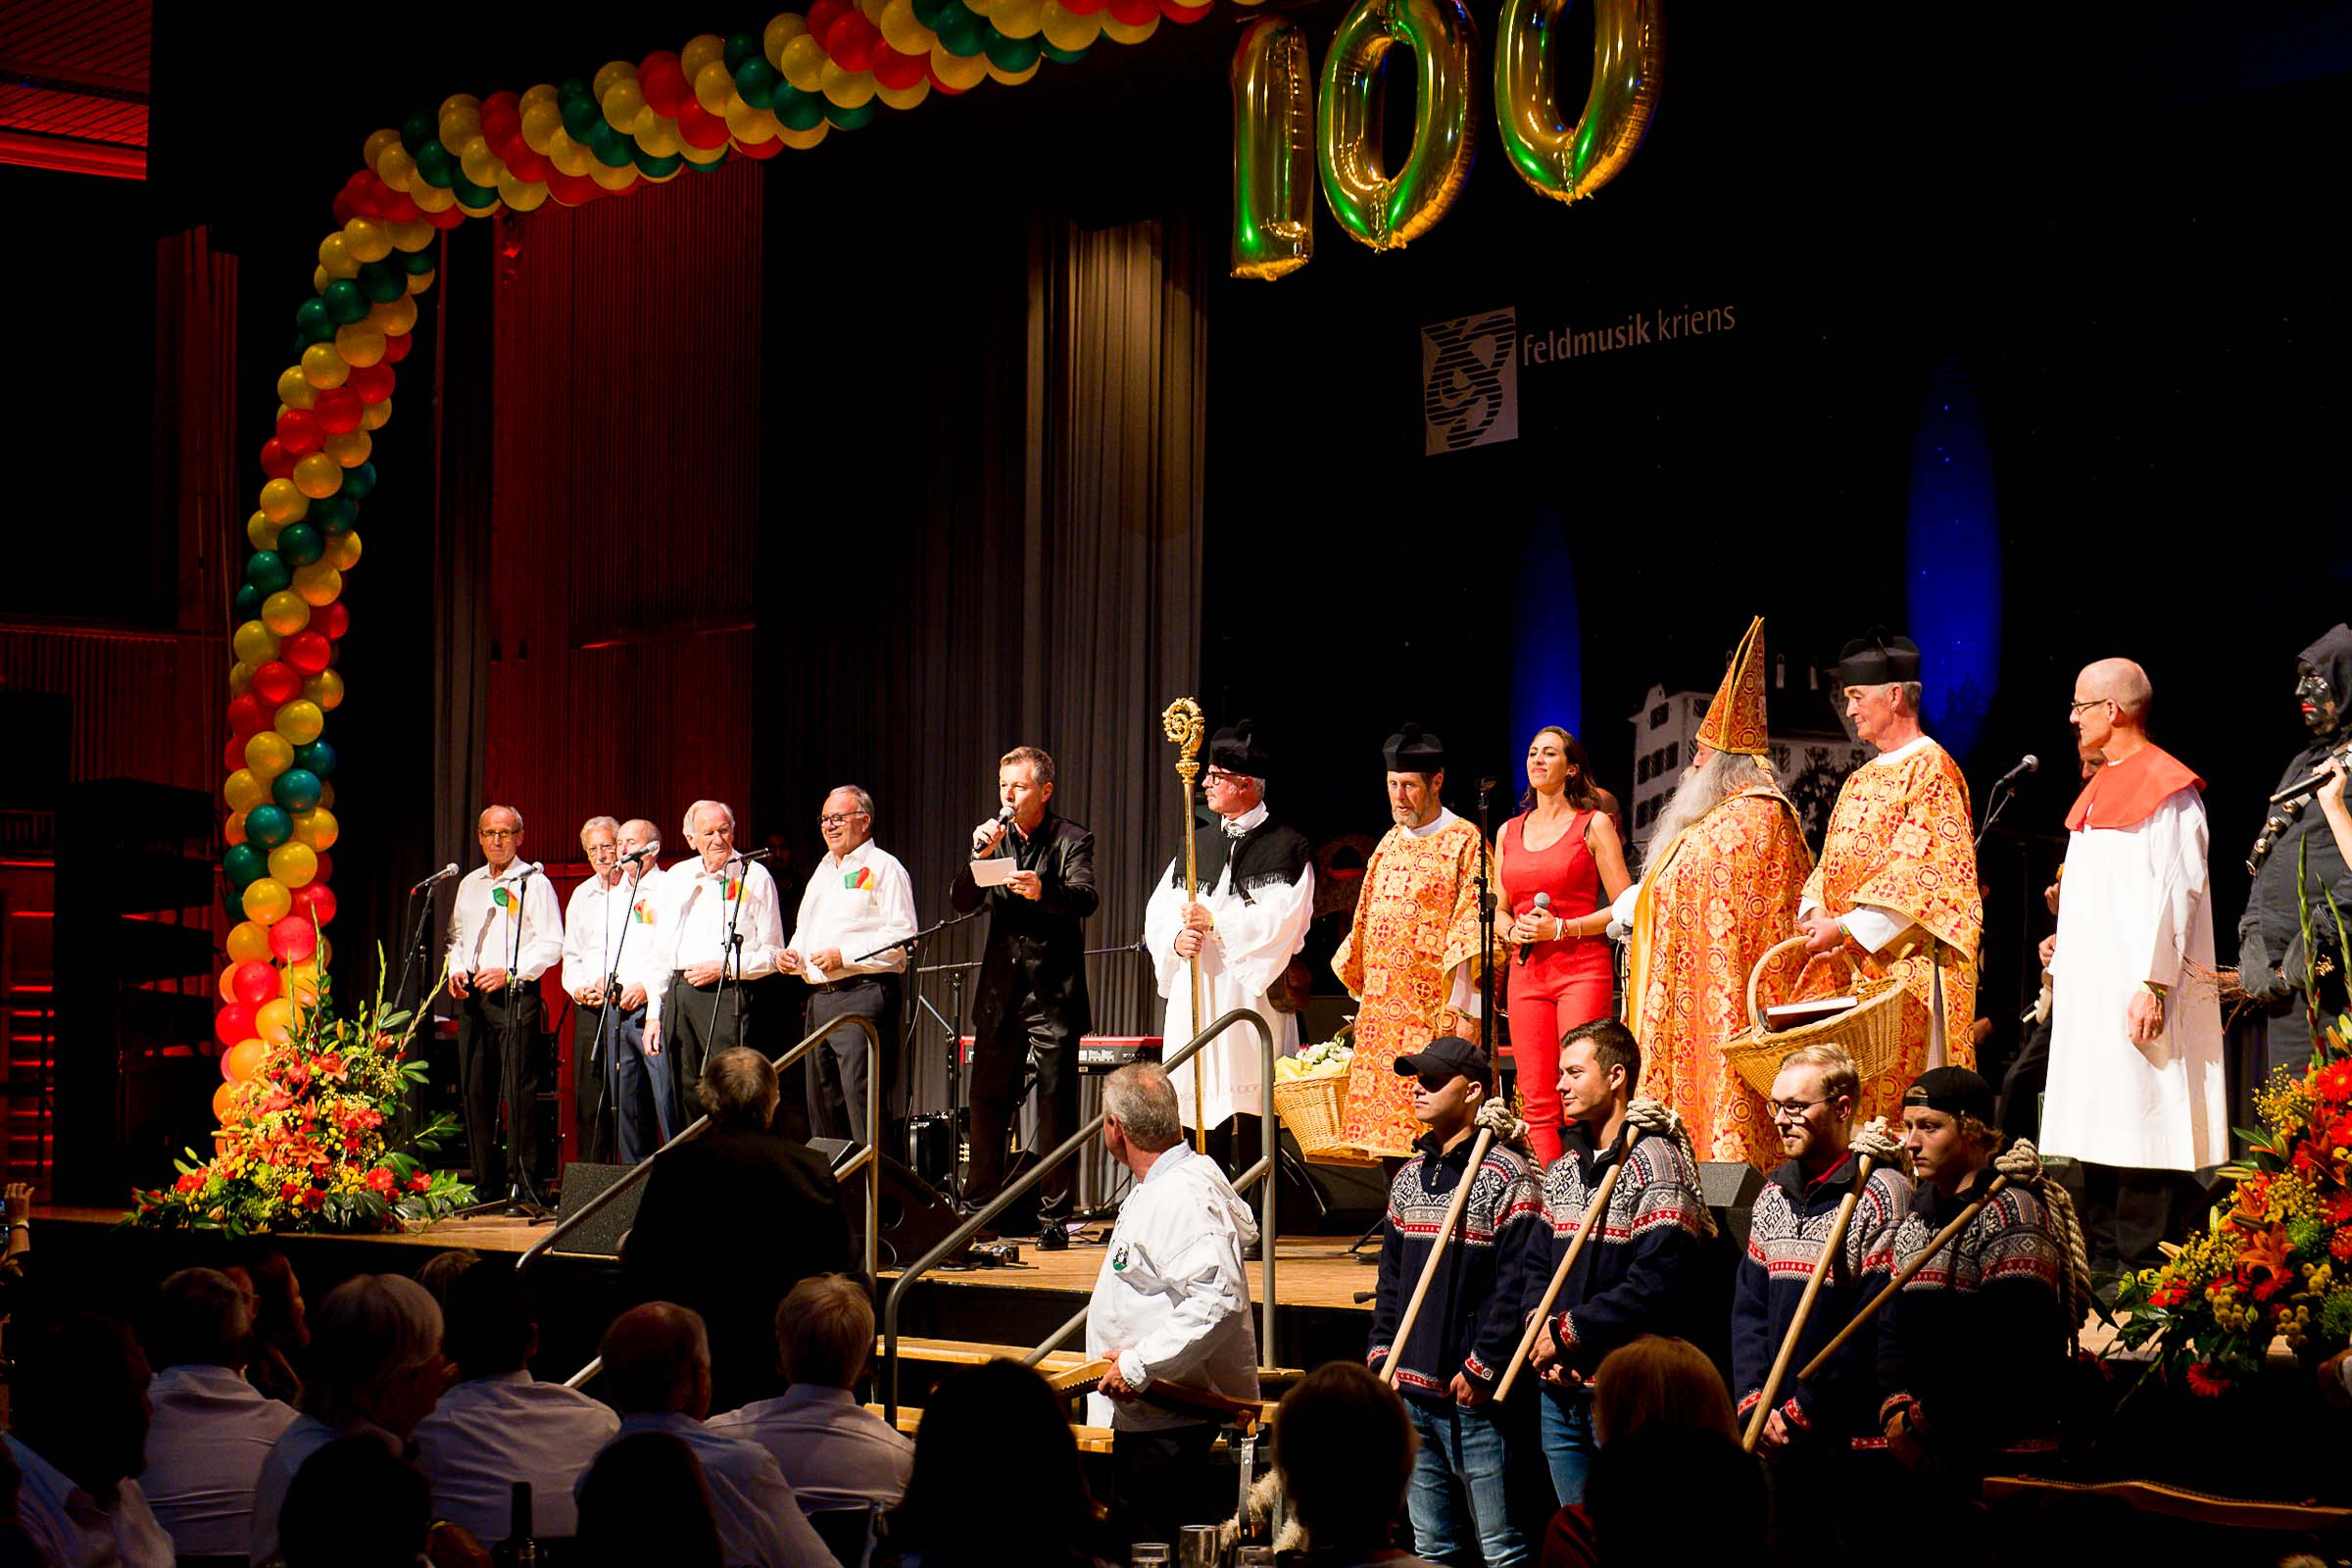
x=279, y=1314
x=825, y=1332
x=355, y=1504
x=1344, y=1447
x=658, y=1359
x=441, y=1270
x=1640, y=1496
x=491, y=1328
x=78, y=1396
x=739, y=1091
x=1658, y=1381
x=645, y=1500
x=990, y=1433
x=375, y=1354
x=202, y=1318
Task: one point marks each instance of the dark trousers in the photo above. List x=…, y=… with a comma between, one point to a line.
x=997, y=1058
x=2022, y=1085
x=693, y=1032
x=836, y=1064
x=621, y=1097
x=2127, y=1213
x=1162, y=1480
x=487, y=1027
x=2288, y=1041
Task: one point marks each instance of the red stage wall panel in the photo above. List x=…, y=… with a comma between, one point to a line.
x=146, y=704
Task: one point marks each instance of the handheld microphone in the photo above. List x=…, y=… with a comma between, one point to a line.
x=634, y=855
x=2309, y=786
x=442, y=875
x=1543, y=907
x=981, y=838
x=2029, y=763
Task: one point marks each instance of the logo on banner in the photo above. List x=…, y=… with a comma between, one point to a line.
x=1470, y=382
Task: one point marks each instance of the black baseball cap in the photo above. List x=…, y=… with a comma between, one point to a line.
x=1954, y=1091
x=1444, y=1056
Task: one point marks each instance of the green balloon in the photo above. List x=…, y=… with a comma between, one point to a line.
x=655, y=168
x=470, y=194
x=1008, y=54
x=266, y=569
x=415, y=131
x=755, y=81
x=1064, y=57
x=581, y=117
x=311, y=315
x=382, y=283
x=856, y=119
x=571, y=87
x=435, y=165
x=296, y=789
x=611, y=148
x=357, y=482
x=318, y=757
x=960, y=31
x=268, y=826
x=246, y=602
x=796, y=109
x=244, y=863
x=417, y=262
x=299, y=544
x=740, y=48
x=345, y=302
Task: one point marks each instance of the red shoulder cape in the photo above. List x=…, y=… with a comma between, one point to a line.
x=2124, y=793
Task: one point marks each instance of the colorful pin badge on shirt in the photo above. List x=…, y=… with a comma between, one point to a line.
x=734, y=889
x=502, y=897
x=862, y=877
x=642, y=911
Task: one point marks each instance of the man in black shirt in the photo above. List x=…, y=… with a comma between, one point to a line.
x=2298, y=867
x=1032, y=995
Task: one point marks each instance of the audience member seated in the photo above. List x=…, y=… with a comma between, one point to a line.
x=499, y=1426
x=356, y=1504
x=644, y=1502
x=1651, y=1382
x=1343, y=1447
x=79, y=1417
x=281, y=1333
x=658, y=1373
x=996, y=1479
x=686, y=1244
x=1678, y=1495
x=833, y=1451
x=375, y=1371
x=440, y=1271
x=208, y=1428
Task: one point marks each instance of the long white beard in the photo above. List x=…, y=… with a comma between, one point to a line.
x=1701, y=793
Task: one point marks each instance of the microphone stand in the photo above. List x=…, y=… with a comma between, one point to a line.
x=1994, y=804
x=522, y=1196
x=730, y=958
x=955, y=973
x=407, y=963
x=607, y=1063
x=1486, y=926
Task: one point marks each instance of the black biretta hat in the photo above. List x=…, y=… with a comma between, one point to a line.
x=1237, y=749
x=1875, y=658
x=1413, y=750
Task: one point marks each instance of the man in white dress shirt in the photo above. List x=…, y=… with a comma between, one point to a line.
x=208, y=1428
x=858, y=899
x=498, y=1425
x=78, y=1426
x=716, y=925
x=1171, y=1303
x=834, y=1452
x=504, y=934
x=2136, y=1088
x=658, y=1372
x=621, y=1104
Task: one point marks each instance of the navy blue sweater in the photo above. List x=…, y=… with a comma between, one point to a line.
x=1648, y=1248
x=1470, y=1320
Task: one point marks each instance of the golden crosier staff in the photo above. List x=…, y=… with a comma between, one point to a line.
x=1183, y=726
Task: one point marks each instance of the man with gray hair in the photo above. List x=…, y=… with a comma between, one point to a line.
x=713, y=925
x=859, y=901
x=608, y=1067
x=210, y=1429
x=1172, y=1302
x=504, y=932
x=833, y=1451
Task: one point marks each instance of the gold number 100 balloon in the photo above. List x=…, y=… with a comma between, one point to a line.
x=1566, y=162
x=1382, y=209
x=1273, y=150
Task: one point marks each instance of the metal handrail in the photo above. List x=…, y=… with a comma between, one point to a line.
x=865, y=1156
x=1077, y=1141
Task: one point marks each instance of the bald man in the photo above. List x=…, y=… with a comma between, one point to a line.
x=2136, y=1088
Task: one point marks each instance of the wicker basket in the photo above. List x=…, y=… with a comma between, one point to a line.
x=1870, y=1032
x=1313, y=1107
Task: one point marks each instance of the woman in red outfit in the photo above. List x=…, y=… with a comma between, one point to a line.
x=1562, y=842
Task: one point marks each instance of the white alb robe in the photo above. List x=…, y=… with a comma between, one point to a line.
x=1251, y=945
x=2134, y=907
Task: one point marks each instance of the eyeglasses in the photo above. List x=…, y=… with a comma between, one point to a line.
x=836, y=819
x=2081, y=704
x=603, y=849
x=499, y=834
x=1791, y=1110
x=1218, y=775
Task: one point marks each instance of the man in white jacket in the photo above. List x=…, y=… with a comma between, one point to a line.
x=1171, y=1306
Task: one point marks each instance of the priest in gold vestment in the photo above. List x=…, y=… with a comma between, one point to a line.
x=1411, y=957
x=1896, y=887
x=1727, y=863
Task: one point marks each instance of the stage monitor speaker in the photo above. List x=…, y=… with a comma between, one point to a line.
x=600, y=1236
x=1731, y=1187
x=914, y=1218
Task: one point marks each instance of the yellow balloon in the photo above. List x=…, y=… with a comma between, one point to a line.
x=750, y=125
x=656, y=136
x=293, y=863
x=700, y=50
x=394, y=317
x=243, y=792
x=359, y=344
x=317, y=828
x=375, y=416
x=304, y=981
x=804, y=63
x=607, y=75
x=324, y=367
x=542, y=92
x=228, y=985
x=569, y=156
x=905, y=97
x=1018, y=19
x=285, y=612
x=481, y=164
x=349, y=449
x=519, y=194
x=326, y=794
x=326, y=689
x=343, y=550
x=705, y=156
x=874, y=10
x=386, y=138
x=272, y=1021
x=540, y=122
x=253, y=643
x=803, y=140
x=1118, y=32
x=398, y=170
x=336, y=256
x=847, y=88
x=267, y=754
x=281, y=502
x=460, y=129
x=1273, y=81
x=318, y=475
x=248, y=942
x=366, y=240
x=902, y=32
x=414, y=236
x=300, y=721
x=419, y=282
x=1014, y=78
x=241, y=678
x=319, y=583
x=712, y=86
x=265, y=902
x=958, y=70
x=782, y=29
x=431, y=198
x=611, y=178
x=294, y=389
x=623, y=103
x=982, y=8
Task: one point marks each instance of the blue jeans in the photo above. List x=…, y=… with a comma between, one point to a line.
x=1461, y=1513
x=1568, y=1445
x=635, y=1075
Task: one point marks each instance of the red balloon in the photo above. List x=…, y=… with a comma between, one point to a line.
x=334, y=620
x=822, y=13
x=663, y=85
x=1083, y=8
x=1132, y=13
x=276, y=682
x=255, y=981
x=292, y=940
x=760, y=151
x=249, y=716
x=277, y=462
x=398, y=344
x=327, y=871
x=449, y=216
x=851, y=42
x=342, y=208
x=527, y=166
x=698, y=127
x=373, y=383
x=307, y=651
x=573, y=190
x=235, y=756
x=233, y=1024
x=314, y=900
x=896, y=70
x=337, y=411
x=298, y=431
x=399, y=208
x=1180, y=14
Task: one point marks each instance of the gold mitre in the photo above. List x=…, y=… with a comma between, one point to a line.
x=1735, y=721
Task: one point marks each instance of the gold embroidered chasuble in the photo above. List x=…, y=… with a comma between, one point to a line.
x=1715, y=898
x=1416, y=921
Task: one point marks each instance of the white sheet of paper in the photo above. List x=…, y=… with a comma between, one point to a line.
x=994, y=873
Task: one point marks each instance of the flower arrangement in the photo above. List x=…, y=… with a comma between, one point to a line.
x=1313, y=1062
x=304, y=1142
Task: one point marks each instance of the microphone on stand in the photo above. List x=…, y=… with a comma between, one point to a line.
x=980, y=839
x=2309, y=786
x=442, y=875
x=750, y=855
x=634, y=855
x=524, y=873
x=1543, y=907
x=2027, y=763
